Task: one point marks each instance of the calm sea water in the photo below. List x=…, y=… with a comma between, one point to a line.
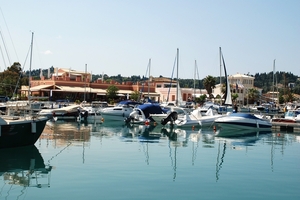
x=113, y=161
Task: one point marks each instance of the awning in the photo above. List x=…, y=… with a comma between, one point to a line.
x=125, y=91
x=98, y=91
x=72, y=89
x=39, y=88
x=151, y=94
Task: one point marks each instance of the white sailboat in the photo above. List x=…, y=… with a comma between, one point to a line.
x=227, y=106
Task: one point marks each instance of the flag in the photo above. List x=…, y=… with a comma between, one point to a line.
x=240, y=85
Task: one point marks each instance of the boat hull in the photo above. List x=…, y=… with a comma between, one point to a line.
x=21, y=132
x=114, y=116
x=235, y=122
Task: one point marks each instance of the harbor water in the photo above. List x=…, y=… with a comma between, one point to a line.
x=115, y=161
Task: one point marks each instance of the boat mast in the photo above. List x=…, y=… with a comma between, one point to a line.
x=85, y=83
x=220, y=71
x=149, y=79
x=29, y=84
x=195, y=79
x=177, y=89
x=273, y=79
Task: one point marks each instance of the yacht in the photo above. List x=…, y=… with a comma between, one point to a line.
x=120, y=111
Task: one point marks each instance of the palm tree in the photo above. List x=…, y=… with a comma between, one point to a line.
x=209, y=83
x=253, y=95
x=234, y=97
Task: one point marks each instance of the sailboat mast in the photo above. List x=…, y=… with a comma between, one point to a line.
x=220, y=69
x=85, y=83
x=177, y=89
x=195, y=79
x=29, y=84
x=149, y=79
x=273, y=78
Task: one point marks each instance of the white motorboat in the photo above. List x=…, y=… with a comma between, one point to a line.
x=120, y=111
x=91, y=112
x=290, y=116
x=68, y=112
x=143, y=113
x=242, y=121
x=195, y=118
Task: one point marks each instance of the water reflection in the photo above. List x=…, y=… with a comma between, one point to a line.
x=276, y=140
x=72, y=133
x=21, y=168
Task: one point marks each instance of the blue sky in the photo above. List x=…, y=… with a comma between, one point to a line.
x=120, y=36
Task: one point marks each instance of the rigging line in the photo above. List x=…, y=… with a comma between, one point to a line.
x=198, y=78
x=172, y=77
x=140, y=96
x=59, y=152
x=20, y=75
x=9, y=34
x=3, y=59
x=7, y=54
x=36, y=45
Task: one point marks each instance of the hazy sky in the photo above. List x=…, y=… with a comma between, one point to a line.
x=120, y=36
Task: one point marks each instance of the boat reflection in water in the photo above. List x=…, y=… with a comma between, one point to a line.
x=21, y=168
x=181, y=138
x=246, y=143
x=67, y=131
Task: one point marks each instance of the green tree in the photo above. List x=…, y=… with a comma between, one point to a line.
x=112, y=92
x=234, y=97
x=135, y=95
x=10, y=80
x=253, y=95
x=209, y=83
x=201, y=99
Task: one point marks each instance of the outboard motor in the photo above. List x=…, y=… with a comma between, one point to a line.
x=84, y=114
x=172, y=116
x=132, y=116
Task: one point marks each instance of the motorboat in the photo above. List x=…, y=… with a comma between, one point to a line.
x=68, y=112
x=290, y=116
x=194, y=118
x=120, y=111
x=242, y=121
x=206, y=106
x=143, y=113
x=91, y=113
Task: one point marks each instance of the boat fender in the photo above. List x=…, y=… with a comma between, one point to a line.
x=33, y=127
